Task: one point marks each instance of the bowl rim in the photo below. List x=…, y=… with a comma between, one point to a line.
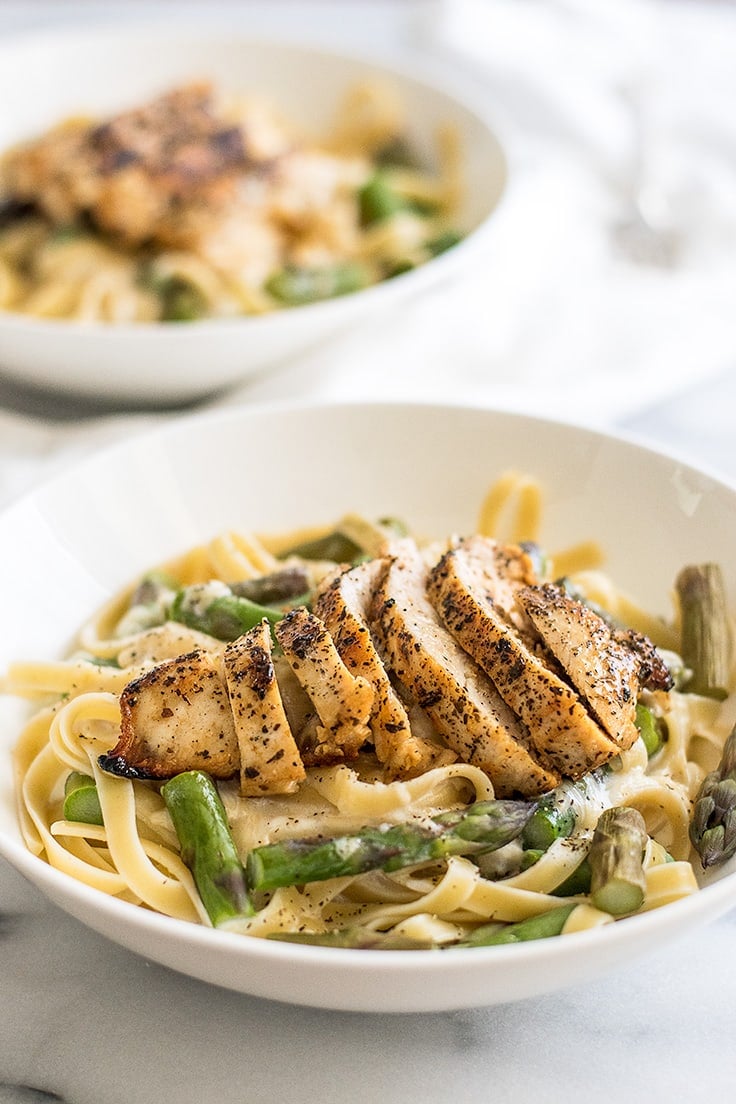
x=192, y=28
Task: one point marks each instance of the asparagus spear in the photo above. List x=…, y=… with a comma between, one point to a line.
x=651, y=729
x=280, y=586
x=544, y=926
x=81, y=802
x=355, y=938
x=378, y=200
x=334, y=546
x=294, y=286
x=484, y=826
x=149, y=604
x=577, y=883
x=548, y=823
x=617, y=884
x=207, y=847
x=213, y=608
x=706, y=629
x=713, y=822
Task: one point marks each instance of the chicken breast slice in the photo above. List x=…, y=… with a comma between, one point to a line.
x=174, y=718
x=463, y=588
x=343, y=604
x=461, y=701
x=342, y=700
x=269, y=758
x=603, y=671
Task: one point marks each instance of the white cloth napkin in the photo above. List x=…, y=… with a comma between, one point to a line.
x=553, y=318
x=556, y=318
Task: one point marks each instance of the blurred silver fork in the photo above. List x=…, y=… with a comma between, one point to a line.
x=645, y=231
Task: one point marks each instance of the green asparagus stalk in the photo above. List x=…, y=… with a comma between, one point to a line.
x=356, y=939
x=707, y=643
x=617, y=883
x=577, y=883
x=81, y=802
x=713, y=821
x=270, y=590
x=149, y=604
x=650, y=729
x=482, y=827
x=548, y=823
x=207, y=846
x=294, y=286
x=214, y=609
x=544, y=926
x=378, y=200
x=334, y=546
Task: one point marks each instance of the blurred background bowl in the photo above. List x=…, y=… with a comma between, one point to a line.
x=46, y=77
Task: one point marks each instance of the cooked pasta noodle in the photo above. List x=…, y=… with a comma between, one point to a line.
x=135, y=853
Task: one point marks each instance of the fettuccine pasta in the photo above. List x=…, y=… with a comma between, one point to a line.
x=134, y=851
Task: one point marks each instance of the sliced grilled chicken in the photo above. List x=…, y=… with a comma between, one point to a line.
x=463, y=588
x=343, y=604
x=603, y=671
x=342, y=700
x=654, y=674
x=269, y=758
x=174, y=718
x=459, y=698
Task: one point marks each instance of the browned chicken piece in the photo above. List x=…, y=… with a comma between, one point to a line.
x=506, y=568
x=174, y=718
x=136, y=175
x=342, y=700
x=461, y=701
x=343, y=604
x=603, y=671
x=463, y=588
x=269, y=758
x=654, y=674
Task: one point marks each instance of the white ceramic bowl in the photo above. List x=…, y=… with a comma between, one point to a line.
x=46, y=77
x=69, y=545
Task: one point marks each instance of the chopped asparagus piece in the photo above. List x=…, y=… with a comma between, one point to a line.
x=544, y=926
x=547, y=824
x=617, y=883
x=333, y=546
x=274, y=589
x=484, y=826
x=378, y=200
x=149, y=606
x=181, y=301
x=447, y=240
x=207, y=846
x=294, y=286
x=576, y=884
x=651, y=729
x=354, y=938
x=707, y=643
x=713, y=822
x=214, y=609
x=81, y=802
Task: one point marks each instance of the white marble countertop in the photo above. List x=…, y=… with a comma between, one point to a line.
x=87, y=1022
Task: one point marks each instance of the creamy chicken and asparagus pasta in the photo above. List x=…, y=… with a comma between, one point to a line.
x=360, y=737
x=199, y=205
